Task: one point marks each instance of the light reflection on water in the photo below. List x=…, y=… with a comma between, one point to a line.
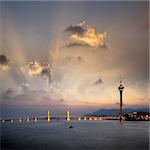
x=88, y=135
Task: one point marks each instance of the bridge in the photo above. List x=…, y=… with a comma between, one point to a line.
x=49, y=118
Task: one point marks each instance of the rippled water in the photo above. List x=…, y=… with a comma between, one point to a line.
x=86, y=135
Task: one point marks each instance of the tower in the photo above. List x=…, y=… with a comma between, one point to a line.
x=121, y=88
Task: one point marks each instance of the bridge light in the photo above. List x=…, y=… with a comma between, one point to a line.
x=19, y=120
x=84, y=118
x=35, y=119
x=95, y=118
x=28, y=119
x=79, y=118
x=11, y=120
x=90, y=118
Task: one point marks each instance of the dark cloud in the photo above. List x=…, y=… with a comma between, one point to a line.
x=75, y=30
x=75, y=44
x=4, y=63
x=46, y=74
x=3, y=59
x=98, y=82
x=9, y=93
x=79, y=58
x=62, y=100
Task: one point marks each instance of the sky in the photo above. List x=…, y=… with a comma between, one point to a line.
x=62, y=56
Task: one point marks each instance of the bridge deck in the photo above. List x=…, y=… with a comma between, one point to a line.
x=36, y=118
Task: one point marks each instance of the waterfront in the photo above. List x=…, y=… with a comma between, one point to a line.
x=92, y=135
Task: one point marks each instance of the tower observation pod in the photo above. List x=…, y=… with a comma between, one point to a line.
x=68, y=115
x=121, y=88
x=48, y=116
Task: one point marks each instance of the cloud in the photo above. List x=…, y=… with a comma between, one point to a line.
x=76, y=30
x=17, y=75
x=4, y=63
x=83, y=22
x=10, y=93
x=144, y=99
x=25, y=87
x=69, y=58
x=37, y=97
x=62, y=100
x=42, y=69
x=75, y=44
x=99, y=81
x=105, y=46
x=85, y=34
x=79, y=58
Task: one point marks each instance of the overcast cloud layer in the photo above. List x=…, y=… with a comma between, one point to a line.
x=71, y=55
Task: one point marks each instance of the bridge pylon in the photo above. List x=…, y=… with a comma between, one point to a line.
x=68, y=115
x=48, y=116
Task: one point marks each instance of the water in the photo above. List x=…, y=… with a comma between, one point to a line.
x=86, y=135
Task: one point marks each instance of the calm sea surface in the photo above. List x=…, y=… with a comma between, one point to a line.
x=86, y=135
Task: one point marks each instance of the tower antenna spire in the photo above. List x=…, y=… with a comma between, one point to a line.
x=120, y=79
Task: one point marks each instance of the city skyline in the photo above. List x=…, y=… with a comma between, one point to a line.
x=60, y=55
